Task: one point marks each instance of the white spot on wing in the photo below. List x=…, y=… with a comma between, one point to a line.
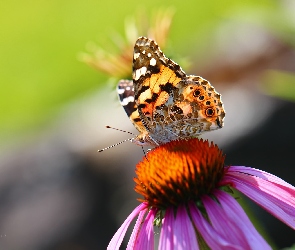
x=127, y=100
x=149, y=55
x=143, y=52
x=120, y=91
x=136, y=55
x=153, y=62
x=139, y=72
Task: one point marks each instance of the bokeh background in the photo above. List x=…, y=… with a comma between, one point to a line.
x=56, y=191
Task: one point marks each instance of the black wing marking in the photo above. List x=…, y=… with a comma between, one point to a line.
x=125, y=92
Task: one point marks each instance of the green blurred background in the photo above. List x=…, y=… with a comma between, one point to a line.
x=54, y=108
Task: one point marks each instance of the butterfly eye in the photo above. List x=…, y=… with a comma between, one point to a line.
x=209, y=112
x=196, y=93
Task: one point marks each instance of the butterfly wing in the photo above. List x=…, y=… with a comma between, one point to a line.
x=165, y=104
x=125, y=92
x=155, y=78
x=199, y=105
x=172, y=105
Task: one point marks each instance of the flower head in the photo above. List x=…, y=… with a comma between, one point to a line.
x=183, y=186
x=185, y=170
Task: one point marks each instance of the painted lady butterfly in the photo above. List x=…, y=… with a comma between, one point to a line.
x=164, y=103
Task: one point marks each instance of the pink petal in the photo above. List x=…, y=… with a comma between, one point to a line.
x=259, y=173
x=212, y=238
x=277, y=201
x=135, y=231
x=285, y=194
x=117, y=239
x=184, y=233
x=223, y=224
x=166, y=235
x=237, y=215
x=145, y=239
x=271, y=192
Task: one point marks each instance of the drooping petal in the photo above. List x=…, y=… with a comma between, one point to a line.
x=117, y=239
x=136, y=229
x=145, y=239
x=277, y=199
x=259, y=173
x=212, y=238
x=184, y=233
x=223, y=224
x=166, y=235
x=280, y=190
x=237, y=215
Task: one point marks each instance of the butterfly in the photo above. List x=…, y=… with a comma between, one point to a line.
x=165, y=104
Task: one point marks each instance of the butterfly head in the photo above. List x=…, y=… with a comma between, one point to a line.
x=144, y=139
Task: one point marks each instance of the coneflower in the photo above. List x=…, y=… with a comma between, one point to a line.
x=186, y=193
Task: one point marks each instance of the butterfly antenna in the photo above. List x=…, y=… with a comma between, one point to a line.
x=120, y=130
x=100, y=150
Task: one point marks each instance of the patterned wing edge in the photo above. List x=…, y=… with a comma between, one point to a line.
x=145, y=68
x=125, y=92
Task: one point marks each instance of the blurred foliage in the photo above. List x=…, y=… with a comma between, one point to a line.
x=279, y=84
x=40, y=41
x=117, y=61
x=289, y=248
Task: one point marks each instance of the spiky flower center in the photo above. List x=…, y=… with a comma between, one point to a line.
x=178, y=172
